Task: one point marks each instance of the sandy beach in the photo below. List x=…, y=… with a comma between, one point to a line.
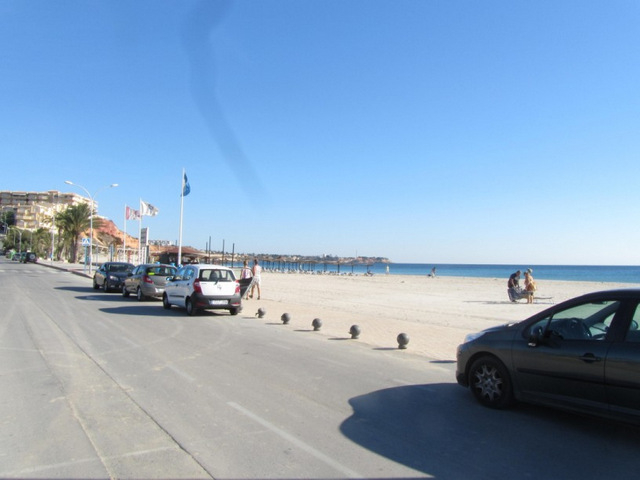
x=436, y=313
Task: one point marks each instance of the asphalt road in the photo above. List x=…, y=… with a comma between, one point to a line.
x=93, y=385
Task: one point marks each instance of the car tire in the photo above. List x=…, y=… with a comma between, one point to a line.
x=95, y=285
x=165, y=302
x=233, y=311
x=191, y=309
x=106, y=287
x=125, y=292
x=139, y=295
x=490, y=382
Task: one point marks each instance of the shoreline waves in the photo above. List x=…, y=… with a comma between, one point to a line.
x=586, y=273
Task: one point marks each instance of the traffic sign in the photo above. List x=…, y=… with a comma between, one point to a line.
x=86, y=242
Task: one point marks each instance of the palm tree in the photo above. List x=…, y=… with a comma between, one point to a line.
x=71, y=223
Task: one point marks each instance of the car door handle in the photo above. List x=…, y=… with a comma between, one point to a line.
x=590, y=358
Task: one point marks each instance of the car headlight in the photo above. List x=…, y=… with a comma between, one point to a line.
x=473, y=336
x=113, y=278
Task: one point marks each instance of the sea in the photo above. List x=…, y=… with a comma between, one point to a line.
x=582, y=273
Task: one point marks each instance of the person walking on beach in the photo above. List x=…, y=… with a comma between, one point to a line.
x=257, y=269
x=246, y=274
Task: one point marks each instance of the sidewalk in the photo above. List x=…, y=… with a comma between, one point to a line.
x=75, y=268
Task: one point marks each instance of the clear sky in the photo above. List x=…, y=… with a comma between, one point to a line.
x=431, y=131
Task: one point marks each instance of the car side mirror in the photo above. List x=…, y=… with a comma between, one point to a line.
x=534, y=340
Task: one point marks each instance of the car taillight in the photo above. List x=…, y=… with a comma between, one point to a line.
x=196, y=286
x=146, y=279
x=237, y=289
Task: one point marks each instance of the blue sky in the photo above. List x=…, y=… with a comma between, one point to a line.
x=431, y=131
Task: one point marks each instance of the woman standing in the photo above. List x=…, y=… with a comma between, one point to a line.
x=245, y=275
x=529, y=285
x=257, y=269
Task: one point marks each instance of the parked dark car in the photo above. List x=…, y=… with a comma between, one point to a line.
x=111, y=275
x=147, y=280
x=28, y=257
x=581, y=355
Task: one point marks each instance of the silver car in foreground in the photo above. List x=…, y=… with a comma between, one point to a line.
x=203, y=287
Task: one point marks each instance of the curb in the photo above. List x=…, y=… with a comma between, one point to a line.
x=64, y=269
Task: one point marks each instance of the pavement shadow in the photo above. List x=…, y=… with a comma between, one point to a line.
x=440, y=430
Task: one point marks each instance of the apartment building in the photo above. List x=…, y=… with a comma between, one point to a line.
x=35, y=210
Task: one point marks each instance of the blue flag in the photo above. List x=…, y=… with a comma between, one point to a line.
x=186, y=189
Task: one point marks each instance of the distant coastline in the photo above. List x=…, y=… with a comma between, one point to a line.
x=580, y=273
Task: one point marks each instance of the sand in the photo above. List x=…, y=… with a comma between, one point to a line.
x=436, y=313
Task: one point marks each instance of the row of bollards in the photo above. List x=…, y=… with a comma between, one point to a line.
x=354, y=331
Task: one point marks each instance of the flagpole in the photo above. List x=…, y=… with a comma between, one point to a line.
x=140, y=234
x=124, y=239
x=179, y=261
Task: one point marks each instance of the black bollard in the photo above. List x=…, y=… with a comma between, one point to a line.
x=285, y=318
x=403, y=340
x=316, y=324
x=354, y=331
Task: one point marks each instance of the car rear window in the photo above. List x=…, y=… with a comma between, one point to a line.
x=214, y=275
x=164, y=271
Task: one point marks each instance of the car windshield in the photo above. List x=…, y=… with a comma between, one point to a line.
x=587, y=320
x=120, y=267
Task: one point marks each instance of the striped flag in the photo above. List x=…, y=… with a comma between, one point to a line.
x=131, y=214
x=148, y=209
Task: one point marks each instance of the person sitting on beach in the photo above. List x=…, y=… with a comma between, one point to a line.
x=513, y=288
x=433, y=272
x=529, y=285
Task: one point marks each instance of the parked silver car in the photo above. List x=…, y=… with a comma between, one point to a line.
x=203, y=287
x=147, y=280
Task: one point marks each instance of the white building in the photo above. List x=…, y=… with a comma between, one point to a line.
x=35, y=210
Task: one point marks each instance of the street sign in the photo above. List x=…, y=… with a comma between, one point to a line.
x=86, y=242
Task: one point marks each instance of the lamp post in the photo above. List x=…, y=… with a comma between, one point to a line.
x=92, y=198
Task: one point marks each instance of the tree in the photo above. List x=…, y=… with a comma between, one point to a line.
x=8, y=217
x=71, y=223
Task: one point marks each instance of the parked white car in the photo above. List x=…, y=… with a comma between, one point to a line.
x=203, y=287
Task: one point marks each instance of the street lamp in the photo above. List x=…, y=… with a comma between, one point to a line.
x=92, y=198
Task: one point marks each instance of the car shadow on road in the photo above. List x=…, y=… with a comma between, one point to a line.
x=440, y=430
x=140, y=310
x=77, y=289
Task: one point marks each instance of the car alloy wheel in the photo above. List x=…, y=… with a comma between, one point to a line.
x=125, y=292
x=490, y=382
x=139, y=294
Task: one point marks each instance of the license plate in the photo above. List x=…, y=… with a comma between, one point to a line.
x=217, y=302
